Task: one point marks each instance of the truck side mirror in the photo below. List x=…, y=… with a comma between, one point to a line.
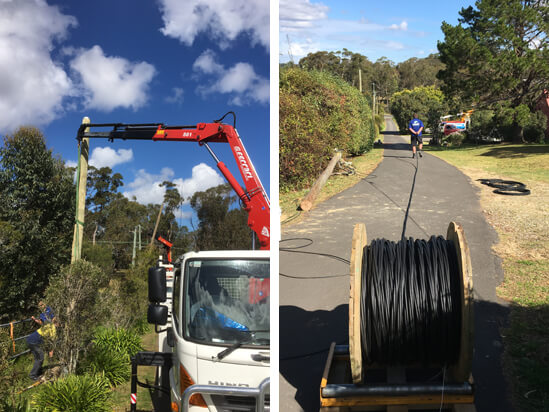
x=157, y=284
x=157, y=314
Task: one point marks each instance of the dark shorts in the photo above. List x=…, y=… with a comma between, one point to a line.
x=416, y=139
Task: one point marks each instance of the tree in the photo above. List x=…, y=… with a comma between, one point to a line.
x=416, y=72
x=36, y=219
x=220, y=227
x=321, y=61
x=385, y=78
x=427, y=102
x=497, y=55
x=102, y=186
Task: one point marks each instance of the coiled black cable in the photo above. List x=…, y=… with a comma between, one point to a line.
x=410, y=308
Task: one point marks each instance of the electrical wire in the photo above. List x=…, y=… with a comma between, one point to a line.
x=410, y=309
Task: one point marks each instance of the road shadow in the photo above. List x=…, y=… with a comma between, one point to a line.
x=305, y=337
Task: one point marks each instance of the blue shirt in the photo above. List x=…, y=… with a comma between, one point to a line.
x=415, y=125
x=47, y=315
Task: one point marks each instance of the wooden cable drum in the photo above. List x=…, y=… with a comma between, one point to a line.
x=460, y=366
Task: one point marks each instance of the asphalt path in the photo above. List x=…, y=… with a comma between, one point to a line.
x=314, y=255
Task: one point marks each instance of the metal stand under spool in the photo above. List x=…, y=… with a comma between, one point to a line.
x=342, y=384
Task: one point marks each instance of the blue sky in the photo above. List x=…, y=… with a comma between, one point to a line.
x=396, y=29
x=139, y=61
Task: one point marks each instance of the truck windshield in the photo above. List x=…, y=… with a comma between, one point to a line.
x=227, y=301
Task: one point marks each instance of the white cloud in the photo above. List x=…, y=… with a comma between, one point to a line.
x=300, y=14
x=71, y=163
x=240, y=81
x=176, y=97
x=101, y=75
x=402, y=26
x=206, y=63
x=146, y=187
x=32, y=84
x=221, y=20
x=107, y=157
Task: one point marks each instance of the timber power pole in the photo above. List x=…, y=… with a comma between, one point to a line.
x=81, y=181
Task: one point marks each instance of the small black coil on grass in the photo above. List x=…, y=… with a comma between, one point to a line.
x=410, y=308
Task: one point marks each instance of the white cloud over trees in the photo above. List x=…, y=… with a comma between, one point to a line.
x=146, y=186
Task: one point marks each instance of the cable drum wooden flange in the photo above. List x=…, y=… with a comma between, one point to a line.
x=461, y=370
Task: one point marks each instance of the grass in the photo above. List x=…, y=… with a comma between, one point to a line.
x=121, y=394
x=289, y=201
x=522, y=223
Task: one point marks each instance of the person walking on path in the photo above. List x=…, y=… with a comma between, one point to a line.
x=416, y=127
x=35, y=341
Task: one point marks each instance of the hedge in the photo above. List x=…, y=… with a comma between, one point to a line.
x=319, y=113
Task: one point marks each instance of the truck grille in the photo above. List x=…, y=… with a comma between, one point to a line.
x=237, y=403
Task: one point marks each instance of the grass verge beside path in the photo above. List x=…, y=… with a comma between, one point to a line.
x=522, y=223
x=289, y=201
x=121, y=394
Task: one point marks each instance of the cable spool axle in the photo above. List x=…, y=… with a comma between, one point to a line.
x=411, y=303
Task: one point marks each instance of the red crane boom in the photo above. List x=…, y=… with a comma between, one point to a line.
x=253, y=196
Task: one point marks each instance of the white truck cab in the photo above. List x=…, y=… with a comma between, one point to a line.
x=220, y=332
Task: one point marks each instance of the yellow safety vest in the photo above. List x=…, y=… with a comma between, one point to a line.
x=47, y=331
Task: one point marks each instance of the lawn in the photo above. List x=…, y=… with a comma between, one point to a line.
x=522, y=224
x=145, y=374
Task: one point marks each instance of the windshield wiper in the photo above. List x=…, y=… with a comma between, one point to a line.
x=226, y=352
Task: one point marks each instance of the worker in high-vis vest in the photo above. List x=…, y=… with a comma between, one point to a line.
x=35, y=341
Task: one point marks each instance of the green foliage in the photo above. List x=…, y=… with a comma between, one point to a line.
x=416, y=72
x=318, y=113
x=16, y=404
x=455, y=139
x=100, y=255
x=534, y=130
x=75, y=297
x=75, y=393
x=122, y=341
x=113, y=366
x=5, y=376
x=497, y=55
x=36, y=219
x=380, y=123
x=220, y=227
x=111, y=353
x=427, y=102
x=127, y=298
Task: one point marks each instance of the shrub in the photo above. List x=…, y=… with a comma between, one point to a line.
x=75, y=393
x=122, y=341
x=455, y=139
x=74, y=294
x=114, y=366
x=110, y=354
x=99, y=255
x=318, y=113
